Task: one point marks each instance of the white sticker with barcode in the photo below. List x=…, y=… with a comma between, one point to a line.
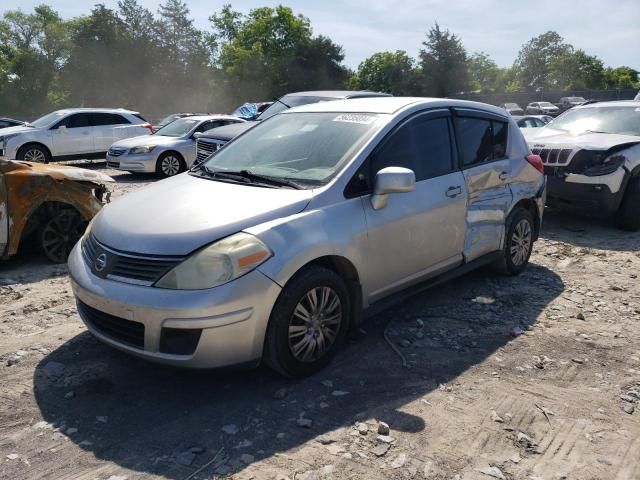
x=355, y=118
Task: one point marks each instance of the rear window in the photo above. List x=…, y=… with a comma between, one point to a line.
x=100, y=119
x=481, y=140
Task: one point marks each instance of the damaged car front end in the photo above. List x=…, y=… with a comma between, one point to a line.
x=591, y=157
x=48, y=204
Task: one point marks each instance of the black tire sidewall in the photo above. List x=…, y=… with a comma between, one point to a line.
x=162, y=157
x=278, y=355
x=628, y=215
x=514, y=218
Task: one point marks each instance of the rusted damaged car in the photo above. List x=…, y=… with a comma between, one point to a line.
x=51, y=204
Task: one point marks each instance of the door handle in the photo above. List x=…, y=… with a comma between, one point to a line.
x=503, y=175
x=453, y=192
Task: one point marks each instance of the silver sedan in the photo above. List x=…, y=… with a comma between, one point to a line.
x=169, y=151
x=272, y=248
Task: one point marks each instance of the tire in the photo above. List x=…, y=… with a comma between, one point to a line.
x=59, y=233
x=170, y=164
x=290, y=338
x=32, y=152
x=518, y=243
x=628, y=214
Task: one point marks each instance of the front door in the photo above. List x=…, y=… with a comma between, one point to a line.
x=75, y=138
x=419, y=233
x=482, y=143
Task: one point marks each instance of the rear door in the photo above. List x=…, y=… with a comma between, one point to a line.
x=104, y=125
x=419, y=233
x=76, y=138
x=482, y=146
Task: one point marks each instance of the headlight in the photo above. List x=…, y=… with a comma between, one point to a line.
x=217, y=263
x=144, y=149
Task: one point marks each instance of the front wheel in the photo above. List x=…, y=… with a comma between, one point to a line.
x=170, y=164
x=34, y=153
x=60, y=233
x=518, y=243
x=628, y=215
x=308, y=323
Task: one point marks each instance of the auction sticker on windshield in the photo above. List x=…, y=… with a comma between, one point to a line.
x=351, y=118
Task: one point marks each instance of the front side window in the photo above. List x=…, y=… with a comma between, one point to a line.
x=76, y=120
x=304, y=147
x=422, y=145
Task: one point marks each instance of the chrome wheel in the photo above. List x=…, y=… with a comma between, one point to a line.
x=521, y=242
x=35, y=155
x=170, y=165
x=315, y=323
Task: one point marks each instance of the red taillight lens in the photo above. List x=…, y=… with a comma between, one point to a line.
x=536, y=161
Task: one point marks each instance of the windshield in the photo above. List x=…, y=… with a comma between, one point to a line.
x=303, y=147
x=167, y=120
x=178, y=128
x=619, y=120
x=291, y=101
x=546, y=104
x=576, y=99
x=48, y=119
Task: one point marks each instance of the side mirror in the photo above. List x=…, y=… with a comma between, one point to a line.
x=197, y=135
x=391, y=180
x=62, y=129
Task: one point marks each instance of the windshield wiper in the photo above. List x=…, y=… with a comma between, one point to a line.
x=280, y=101
x=257, y=178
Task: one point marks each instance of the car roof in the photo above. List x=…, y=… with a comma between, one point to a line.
x=337, y=94
x=215, y=116
x=613, y=103
x=97, y=110
x=389, y=105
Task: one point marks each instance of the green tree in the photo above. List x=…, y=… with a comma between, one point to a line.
x=576, y=71
x=444, y=63
x=535, y=60
x=390, y=72
x=622, y=77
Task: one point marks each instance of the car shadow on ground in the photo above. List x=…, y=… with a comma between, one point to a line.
x=29, y=266
x=587, y=232
x=155, y=420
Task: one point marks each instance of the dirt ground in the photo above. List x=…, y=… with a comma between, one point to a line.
x=534, y=377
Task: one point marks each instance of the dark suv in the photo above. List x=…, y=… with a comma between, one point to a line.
x=211, y=140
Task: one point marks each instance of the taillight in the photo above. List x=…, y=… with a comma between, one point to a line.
x=149, y=127
x=536, y=162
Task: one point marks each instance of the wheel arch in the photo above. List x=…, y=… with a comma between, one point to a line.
x=36, y=143
x=34, y=217
x=531, y=206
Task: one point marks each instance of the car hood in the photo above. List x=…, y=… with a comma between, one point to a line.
x=16, y=129
x=228, y=132
x=181, y=214
x=546, y=136
x=146, y=140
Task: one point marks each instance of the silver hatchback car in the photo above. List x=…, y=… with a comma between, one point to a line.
x=272, y=248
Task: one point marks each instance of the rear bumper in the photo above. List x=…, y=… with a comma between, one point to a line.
x=598, y=196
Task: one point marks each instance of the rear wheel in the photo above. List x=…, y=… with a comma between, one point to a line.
x=34, y=153
x=170, y=164
x=628, y=215
x=60, y=233
x=308, y=323
x=518, y=243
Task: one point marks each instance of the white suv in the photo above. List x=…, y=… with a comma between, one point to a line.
x=72, y=133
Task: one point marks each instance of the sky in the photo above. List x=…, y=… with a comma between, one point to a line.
x=609, y=29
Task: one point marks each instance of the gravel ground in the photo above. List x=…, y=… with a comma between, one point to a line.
x=534, y=377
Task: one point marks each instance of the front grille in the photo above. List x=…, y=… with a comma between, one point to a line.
x=125, y=267
x=113, y=164
x=553, y=156
x=119, y=329
x=205, y=148
x=115, y=152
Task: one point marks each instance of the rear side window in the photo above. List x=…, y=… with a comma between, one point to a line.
x=481, y=140
x=99, y=119
x=422, y=145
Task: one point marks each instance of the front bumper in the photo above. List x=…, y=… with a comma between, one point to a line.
x=140, y=162
x=232, y=318
x=598, y=196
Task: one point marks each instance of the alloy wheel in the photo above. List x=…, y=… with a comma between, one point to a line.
x=315, y=323
x=170, y=165
x=60, y=234
x=521, y=242
x=35, y=155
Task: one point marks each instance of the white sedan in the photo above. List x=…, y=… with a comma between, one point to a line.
x=167, y=152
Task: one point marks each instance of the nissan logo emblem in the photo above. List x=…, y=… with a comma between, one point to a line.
x=101, y=262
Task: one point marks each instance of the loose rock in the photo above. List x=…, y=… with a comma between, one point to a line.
x=380, y=450
x=383, y=428
x=493, y=472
